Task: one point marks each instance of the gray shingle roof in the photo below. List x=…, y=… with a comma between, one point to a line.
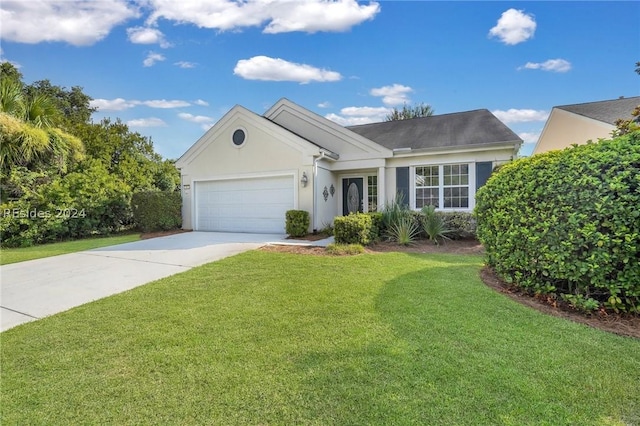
x=461, y=129
x=605, y=111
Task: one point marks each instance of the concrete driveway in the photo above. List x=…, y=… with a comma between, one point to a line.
x=37, y=288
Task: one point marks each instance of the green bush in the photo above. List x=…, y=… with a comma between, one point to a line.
x=77, y=205
x=568, y=222
x=352, y=229
x=156, y=210
x=460, y=225
x=345, y=249
x=297, y=223
x=377, y=226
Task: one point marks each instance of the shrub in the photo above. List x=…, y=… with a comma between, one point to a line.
x=461, y=225
x=352, y=229
x=392, y=211
x=297, y=223
x=345, y=249
x=433, y=224
x=77, y=205
x=404, y=230
x=156, y=210
x=377, y=226
x=567, y=222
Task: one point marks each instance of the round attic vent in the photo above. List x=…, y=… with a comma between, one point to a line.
x=239, y=136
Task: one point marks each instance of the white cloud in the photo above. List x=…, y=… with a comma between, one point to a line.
x=146, y=35
x=276, y=69
x=117, y=104
x=351, y=116
x=396, y=94
x=152, y=58
x=201, y=102
x=195, y=118
x=325, y=104
x=163, y=103
x=77, y=22
x=146, y=122
x=513, y=27
x=529, y=137
x=316, y=16
x=120, y=104
x=185, y=64
x=555, y=65
x=281, y=15
x=520, y=115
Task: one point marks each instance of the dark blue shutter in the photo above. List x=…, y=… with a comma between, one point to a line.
x=483, y=171
x=402, y=185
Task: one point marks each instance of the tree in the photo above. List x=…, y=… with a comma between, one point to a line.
x=73, y=105
x=29, y=135
x=627, y=126
x=9, y=71
x=419, y=110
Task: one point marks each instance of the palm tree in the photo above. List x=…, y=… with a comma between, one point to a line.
x=28, y=132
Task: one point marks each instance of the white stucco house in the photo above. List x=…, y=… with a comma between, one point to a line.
x=579, y=123
x=248, y=169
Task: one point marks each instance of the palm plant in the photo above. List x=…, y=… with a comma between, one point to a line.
x=405, y=230
x=28, y=133
x=433, y=224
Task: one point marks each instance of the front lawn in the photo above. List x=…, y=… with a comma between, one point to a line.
x=283, y=339
x=14, y=255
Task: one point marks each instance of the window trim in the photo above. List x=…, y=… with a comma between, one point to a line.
x=244, y=142
x=471, y=184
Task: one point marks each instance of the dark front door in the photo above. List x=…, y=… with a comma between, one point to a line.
x=352, y=195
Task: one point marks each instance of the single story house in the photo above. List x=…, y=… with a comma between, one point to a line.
x=579, y=123
x=248, y=169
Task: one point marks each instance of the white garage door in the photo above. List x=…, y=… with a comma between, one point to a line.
x=244, y=205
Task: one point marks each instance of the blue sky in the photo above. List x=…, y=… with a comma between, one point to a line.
x=170, y=69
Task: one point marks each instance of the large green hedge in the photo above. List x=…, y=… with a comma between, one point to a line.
x=568, y=223
x=157, y=210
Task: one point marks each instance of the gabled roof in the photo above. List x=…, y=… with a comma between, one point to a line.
x=239, y=112
x=324, y=132
x=456, y=130
x=605, y=111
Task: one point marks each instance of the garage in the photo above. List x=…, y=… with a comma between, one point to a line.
x=244, y=205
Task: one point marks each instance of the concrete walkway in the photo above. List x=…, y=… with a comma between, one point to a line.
x=34, y=289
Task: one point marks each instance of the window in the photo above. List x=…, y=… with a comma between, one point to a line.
x=445, y=186
x=427, y=186
x=456, y=186
x=238, y=137
x=372, y=193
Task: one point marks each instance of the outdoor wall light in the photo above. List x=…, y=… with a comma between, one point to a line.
x=304, y=179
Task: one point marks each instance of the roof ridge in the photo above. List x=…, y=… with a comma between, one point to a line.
x=622, y=98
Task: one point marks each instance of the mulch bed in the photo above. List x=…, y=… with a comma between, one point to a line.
x=624, y=325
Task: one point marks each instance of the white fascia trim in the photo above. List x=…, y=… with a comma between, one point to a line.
x=329, y=126
x=498, y=146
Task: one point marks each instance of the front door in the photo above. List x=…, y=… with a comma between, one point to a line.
x=352, y=195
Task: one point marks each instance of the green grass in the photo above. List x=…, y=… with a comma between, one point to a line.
x=281, y=339
x=14, y=255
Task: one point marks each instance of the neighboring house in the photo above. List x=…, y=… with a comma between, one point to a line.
x=579, y=123
x=249, y=169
